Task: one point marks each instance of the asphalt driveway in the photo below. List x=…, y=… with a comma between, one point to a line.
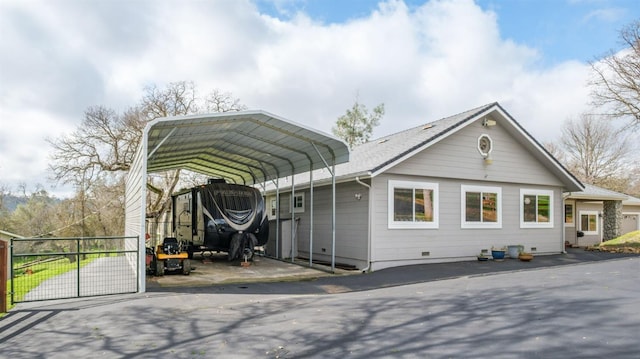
x=577, y=305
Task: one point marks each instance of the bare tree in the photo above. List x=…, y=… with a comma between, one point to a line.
x=219, y=101
x=4, y=212
x=100, y=152
x=597, y=153
x=177, y=98
x=356, y=125
x=556, y=151
x=616, y=78
x=102, y=142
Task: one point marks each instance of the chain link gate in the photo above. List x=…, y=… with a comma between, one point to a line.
x=62, y=268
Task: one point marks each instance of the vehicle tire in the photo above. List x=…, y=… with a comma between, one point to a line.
x=186, y=266
x=159, y=268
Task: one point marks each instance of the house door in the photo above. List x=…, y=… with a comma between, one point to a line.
x=629, y=223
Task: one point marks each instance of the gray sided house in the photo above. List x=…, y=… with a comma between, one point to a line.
x=443, y=191
x=599, y=214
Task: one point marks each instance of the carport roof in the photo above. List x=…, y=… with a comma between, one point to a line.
x=246, y=147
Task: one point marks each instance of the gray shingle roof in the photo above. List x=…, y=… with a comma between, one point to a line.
x=596, y=193
x=376, y=154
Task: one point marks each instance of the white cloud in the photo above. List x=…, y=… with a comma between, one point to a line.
x=609, y=14
x=444, y=57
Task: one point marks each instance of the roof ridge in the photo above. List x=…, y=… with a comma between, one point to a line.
x=473, y=110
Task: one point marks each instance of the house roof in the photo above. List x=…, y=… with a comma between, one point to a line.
x=595, y=193
x=374, y=157
x=245, y=147
x=632, y=201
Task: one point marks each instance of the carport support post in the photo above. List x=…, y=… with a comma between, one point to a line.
x=333, y=219
x=277, y=217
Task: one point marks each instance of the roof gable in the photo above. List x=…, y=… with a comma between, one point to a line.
x=377, y=156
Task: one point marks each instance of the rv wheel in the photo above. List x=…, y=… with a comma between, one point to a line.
x=186, y=267
x=159, y=268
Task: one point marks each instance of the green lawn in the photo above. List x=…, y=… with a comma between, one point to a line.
x=631, y=239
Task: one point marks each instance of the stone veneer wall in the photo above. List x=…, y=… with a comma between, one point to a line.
x=612, y=215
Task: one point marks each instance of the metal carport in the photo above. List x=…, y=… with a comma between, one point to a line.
x=247, y=147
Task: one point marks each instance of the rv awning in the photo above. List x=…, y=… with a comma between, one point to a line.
x=245, y=147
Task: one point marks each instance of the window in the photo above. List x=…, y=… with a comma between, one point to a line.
x=298, y=203
x=589, y=222
x=536, y=208
x=413, y=204
x=481, y=207
x=568, y=215
x=274, y=207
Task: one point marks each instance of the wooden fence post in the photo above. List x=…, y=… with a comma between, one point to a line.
x=4, y=268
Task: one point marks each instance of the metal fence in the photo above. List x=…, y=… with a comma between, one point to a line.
x=60, y=268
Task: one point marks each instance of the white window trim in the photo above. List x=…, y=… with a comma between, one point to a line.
x=273, y=207
x=573, y=206
x=590, y=233
x=392, y=224
x=536, y=192
x=463, y=208
x=293, y=202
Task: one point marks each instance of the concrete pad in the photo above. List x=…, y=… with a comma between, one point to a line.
x=210, y=269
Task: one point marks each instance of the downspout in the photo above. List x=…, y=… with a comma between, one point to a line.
x=563, y=250
x=293, y=213
x=369, y=205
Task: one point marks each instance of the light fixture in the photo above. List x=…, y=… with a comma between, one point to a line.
x=488, y=122
x=358, y=196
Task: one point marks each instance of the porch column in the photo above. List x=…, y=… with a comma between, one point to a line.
x=612, y=220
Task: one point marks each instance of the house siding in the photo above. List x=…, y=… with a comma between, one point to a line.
x=457, y=156
x=630, y=218
x=351, y=223
x=452, y=163
x=450, y=242
x=588, y=239
x=570, y=229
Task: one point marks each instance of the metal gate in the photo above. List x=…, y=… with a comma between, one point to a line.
x=60, y=268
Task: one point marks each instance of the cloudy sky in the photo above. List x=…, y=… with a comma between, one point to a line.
x=304, y=60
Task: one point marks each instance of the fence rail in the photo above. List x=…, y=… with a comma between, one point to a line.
x=61, y=268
